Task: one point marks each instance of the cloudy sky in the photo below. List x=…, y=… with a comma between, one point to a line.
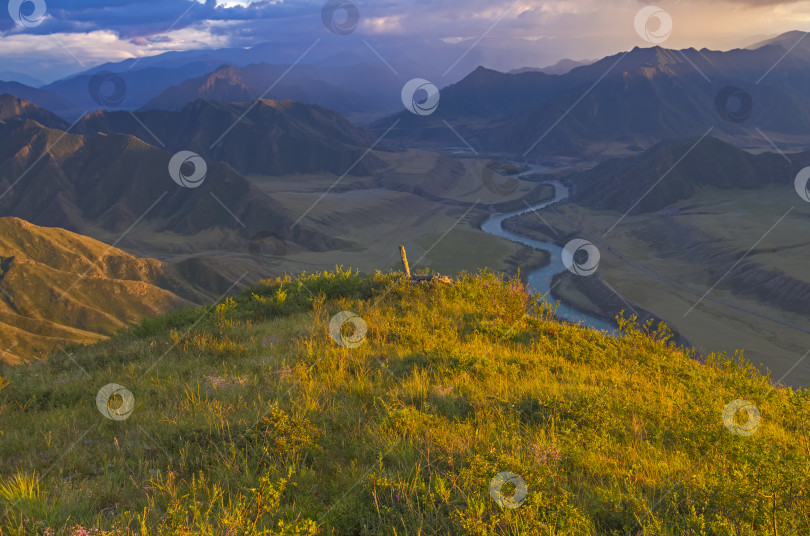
x=53, y=38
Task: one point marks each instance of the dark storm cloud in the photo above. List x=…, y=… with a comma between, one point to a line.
x=136, y=18
x=132, y=19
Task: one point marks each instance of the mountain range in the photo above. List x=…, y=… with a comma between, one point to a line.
x=362, y=84
x=265, y=137
x=14, y=108
x=563, y=66
x=105, y=174
x=43, y=98
x=622, y=103
x=138, y=87
x=626, y=102
x=101, y=184
x=335, y=88
x=114, y=186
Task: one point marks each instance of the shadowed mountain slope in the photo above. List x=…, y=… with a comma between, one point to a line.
x=12, y=107
x=327, y=87
x=266, y=137
x=40, y=97
x=141, y=85
x=619, y=184
x=88, y=184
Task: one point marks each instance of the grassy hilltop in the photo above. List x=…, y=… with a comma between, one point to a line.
x=252, y=417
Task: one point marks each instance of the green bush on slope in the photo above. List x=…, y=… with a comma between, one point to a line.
x=249, y=418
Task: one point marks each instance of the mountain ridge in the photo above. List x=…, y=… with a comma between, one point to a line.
x=12, y=107
x=628, y=101
x=61, y=288
x=229, y=83
x=265, y=137
x=98, y=185
x=617, y=184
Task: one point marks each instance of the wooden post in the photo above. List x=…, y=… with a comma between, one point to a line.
x=404, y=261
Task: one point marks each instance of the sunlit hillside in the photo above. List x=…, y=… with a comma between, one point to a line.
x=347, y=404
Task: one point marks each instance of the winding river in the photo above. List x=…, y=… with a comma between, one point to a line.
x=540, y=280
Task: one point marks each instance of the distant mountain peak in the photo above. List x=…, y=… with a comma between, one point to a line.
x=484, y=75
x=225, y=67
x=13, y=107
x=784, y=40
x=564, y=66
x=332, y=88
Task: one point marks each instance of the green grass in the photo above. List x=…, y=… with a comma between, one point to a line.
x=250, y=419
x=460, y=250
